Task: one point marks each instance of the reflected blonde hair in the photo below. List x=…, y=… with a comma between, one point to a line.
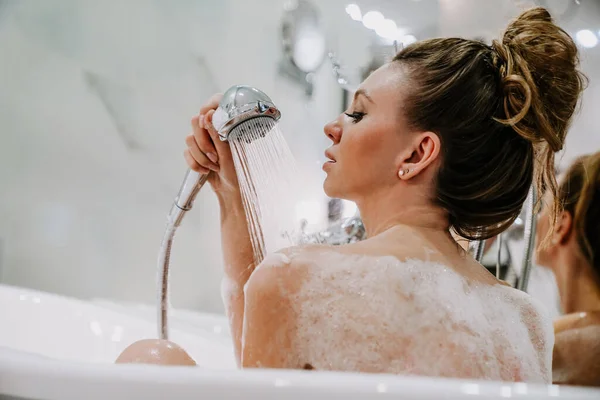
x=579, y=194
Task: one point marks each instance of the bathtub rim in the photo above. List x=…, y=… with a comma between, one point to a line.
x=56, y=379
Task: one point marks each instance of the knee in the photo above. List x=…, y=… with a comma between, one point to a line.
x=155, y=351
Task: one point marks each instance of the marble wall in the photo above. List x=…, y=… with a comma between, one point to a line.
x=96, y=98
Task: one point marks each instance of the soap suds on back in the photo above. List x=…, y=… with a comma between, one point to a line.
x=378, y=314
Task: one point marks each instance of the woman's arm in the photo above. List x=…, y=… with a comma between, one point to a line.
x=577, y=349
x=270, y=317
x=207, y=154
x=238, y=259
x=575, y=357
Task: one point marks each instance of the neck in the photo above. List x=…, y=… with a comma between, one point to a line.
x=380, y=212
x=577, y=286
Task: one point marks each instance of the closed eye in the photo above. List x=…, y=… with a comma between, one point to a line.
x=356, y=116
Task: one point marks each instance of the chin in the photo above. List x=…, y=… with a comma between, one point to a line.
x=327, y=188
x=331, y=189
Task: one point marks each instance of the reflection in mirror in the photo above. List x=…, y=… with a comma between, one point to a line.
x=303, y=42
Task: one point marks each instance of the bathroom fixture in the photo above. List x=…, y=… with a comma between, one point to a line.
x=52, y=326
x=478, y=248
x=529, y=238
x=528, y=231
x=53, y=347
x=303, y=43
x=350, y=230
x=239, y=105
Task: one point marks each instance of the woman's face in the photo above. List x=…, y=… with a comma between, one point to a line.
x=368, y=138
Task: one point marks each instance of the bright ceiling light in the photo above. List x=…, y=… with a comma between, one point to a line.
x=372, y=19
x=387, y=29
x=354, y=12
x=586, y=38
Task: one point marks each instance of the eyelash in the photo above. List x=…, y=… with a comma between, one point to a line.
x=356, y=116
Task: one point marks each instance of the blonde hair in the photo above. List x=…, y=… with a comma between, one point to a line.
x=579, y=194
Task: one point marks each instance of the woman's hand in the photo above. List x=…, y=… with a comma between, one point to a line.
x=207, y=154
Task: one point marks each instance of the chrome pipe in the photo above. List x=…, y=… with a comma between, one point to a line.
x=499, y=256
x=478, y=250
x=529, y=238
x=190, y=187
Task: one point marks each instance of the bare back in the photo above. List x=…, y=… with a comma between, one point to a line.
x=359, y=309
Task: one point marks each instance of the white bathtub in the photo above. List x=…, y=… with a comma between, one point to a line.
x=53, y=347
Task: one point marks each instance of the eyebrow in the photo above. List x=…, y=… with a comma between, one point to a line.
x=364, y=93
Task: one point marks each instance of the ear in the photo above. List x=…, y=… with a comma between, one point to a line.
x=564, y=227
x=425, y=149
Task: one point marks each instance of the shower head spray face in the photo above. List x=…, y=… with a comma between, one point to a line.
x=243, y=108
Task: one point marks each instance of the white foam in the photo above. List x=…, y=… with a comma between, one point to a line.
x=378, y=314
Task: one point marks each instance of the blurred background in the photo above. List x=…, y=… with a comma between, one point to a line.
x=96, y=99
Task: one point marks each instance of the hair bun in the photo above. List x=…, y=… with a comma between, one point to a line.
x=537, y=62
x=538, y=65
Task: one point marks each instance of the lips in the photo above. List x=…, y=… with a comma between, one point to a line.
x=329, y=156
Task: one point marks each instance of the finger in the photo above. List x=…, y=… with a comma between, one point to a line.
x=222, y=147
x=191, y=162
x=204, y=141
x=199, y=155
x=211, y=104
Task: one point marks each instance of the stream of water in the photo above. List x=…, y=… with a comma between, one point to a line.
x=266, y=171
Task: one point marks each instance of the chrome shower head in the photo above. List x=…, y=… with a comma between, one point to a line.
x=239, y=105
x=244, y=113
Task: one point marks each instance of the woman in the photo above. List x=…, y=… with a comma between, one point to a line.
x=449, y=135
x=572, y=253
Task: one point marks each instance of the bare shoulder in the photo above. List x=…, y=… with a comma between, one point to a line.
x=577, y=350
x=576, y=332
x=282, y=272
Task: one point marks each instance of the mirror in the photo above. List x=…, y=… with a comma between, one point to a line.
x=303, y=42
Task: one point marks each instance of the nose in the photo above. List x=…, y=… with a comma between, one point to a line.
x=333, y=131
